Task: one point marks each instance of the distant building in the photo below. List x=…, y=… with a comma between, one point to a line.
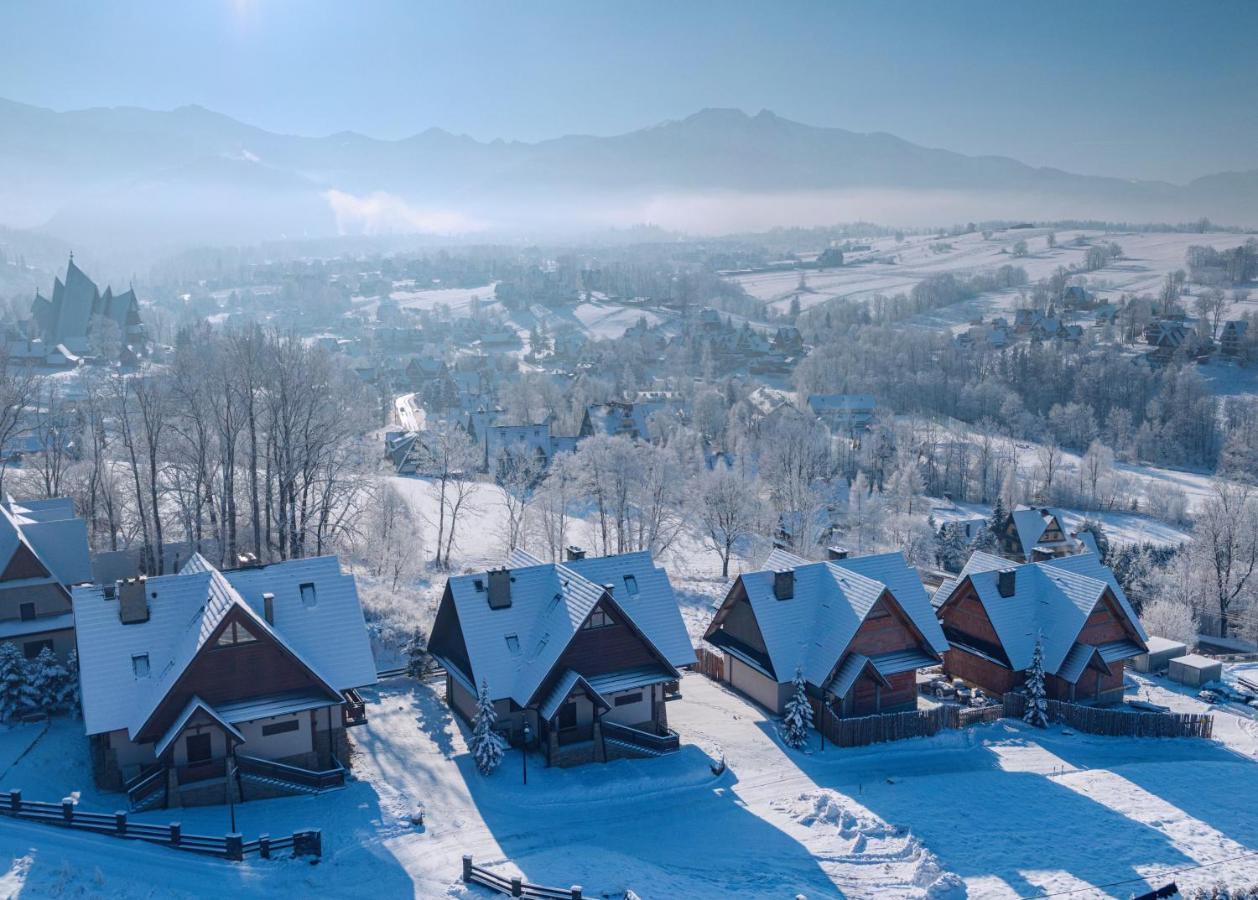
x=1232, y=341
x=68, y=318
x=844, y=412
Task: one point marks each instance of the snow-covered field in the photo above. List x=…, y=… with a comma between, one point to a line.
x=1147, y=259
x=997, y=811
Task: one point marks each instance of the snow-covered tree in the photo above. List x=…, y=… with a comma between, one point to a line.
x=70, y=699
x=1036, y=695
x=951, y=549
x=1170, y=619
x=797, y=720
x=486, y=744
x=728, y=507
x=417, y=658
x=13, y=684
x=46, y=682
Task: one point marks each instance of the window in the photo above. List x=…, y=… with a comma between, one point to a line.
x=233, y=634
x=28, y=611
x=280, y=727
x=513, y=644
x=308, y=594
x=140, y=665
x=198, y=747
x=628, y=699
x=599, y=619
x=631, y=585
x=568, y=715
x=32, y=649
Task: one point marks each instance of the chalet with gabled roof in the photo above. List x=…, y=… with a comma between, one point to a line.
x=994, y=612
x=211, y=685
x=576, y=656
x=857, y=628
x=1232, y=340
x=1035, y=533
x=43, y=553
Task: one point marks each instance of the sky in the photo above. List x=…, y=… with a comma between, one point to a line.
x=1148, y=89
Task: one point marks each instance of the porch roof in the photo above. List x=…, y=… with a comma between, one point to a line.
x=852, y=667
x=563, y=687
x=898, y=661
x=628, y=679
x=181, y=721
x=271, y=705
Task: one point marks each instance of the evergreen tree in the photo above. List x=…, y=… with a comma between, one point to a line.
x=417, y=659
x=12, y=681
x=951, y=549
x=998, y=521
x=797, y=719
x=1036, y=696
x=70, y=700
x=1099, y=535
x=46, y=682
x=486, y=745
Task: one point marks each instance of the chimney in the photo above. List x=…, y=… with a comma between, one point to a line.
x=1006, y=582
x=784, y=584
x=609, y=588
x=246, y=561
x=133, y=606
x=499, y=588
x=837, y=552
x=268, y=607
x=575, y=553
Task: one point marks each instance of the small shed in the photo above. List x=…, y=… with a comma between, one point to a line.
x=1161, y=652
x=1195, y=670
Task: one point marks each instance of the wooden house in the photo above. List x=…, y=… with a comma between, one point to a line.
x=994, y=612
x=212, y=685
x=1034, y=533
x=43, y=553
x=575, y=656
x=858, y=629
x=1232, y=340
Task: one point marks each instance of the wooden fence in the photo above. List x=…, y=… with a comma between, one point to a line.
x=515, y=887
x=710, y=664
x=229, y=846
x=1118, y=722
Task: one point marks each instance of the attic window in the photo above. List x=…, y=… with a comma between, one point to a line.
x=234, y=634
x=513, y=644
x=599, y=619
x=308, y=597
x=140, y=665
x=631, y=585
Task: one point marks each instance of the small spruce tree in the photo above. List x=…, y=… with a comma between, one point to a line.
x=70, y=690
x=486, y=745
x=12, y=681
x=47, y=681
x=797, y=719
x=1036, y=696
x=996, y=524
x=417, y=655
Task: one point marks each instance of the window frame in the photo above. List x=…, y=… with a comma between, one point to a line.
x=287, y=726
x=209, y=747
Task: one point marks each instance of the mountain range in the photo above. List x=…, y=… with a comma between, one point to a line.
x=190, y=175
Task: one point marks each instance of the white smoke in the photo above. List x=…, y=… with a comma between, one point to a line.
x=384, y=213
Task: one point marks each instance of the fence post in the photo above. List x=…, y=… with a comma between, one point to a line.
x=308, y=842
x=175, y=829
x=120, y=822
x=67, y=809
x=233, y=845
x=467, y=868
x=517, y=887
x=264, y=846
x=15, y=801
x=576, y=892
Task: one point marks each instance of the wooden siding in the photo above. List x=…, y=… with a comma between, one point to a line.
x=23, y=564
x=739, y=621
x=964, y=613
x=596, y=651
x=992, y=677
x=227, y=674
x=447, y=635
x=885, y=630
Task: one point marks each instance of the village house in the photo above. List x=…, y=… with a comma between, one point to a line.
x=43, y=554
x=857, y=628
x=994, y=612
x=575, y=656
x=1232, y=340
x=844, y=412
x=1031, y=534
x=209, y=685
x=618, y=417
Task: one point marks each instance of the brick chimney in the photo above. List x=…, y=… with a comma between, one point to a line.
x=784, y=584
x=1007, y=582
x=575, y=553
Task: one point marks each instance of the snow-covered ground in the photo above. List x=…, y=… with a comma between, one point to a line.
x=1147, y=259
x=997, y=811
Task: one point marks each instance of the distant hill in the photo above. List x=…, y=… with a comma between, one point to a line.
x=127, y=175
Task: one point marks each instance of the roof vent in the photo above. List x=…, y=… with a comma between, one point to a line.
x=499, y=588
x=784, y=584
x=133, y=606
x=836, y=552
x=1007, y=582
x=575, y=553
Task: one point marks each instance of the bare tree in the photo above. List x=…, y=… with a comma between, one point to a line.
x=518, y=472
x=558, y=490
x=1225, y=548
x=450, y=458
x=17, y=390
x=728, y=510
x=1048, y=455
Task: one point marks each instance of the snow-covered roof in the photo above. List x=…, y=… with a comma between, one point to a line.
x=50, y=529
x=327, y=635
x=194, y=705
x=1032, y=523
x=549, y=603
x=1051, y=601
x=812, y=630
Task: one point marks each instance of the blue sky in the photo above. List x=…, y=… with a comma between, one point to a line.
x=1146, y=89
